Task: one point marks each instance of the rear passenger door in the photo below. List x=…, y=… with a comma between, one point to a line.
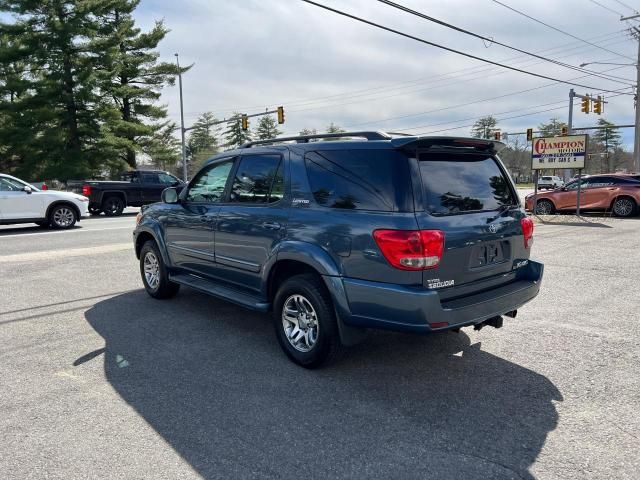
x=253, y=219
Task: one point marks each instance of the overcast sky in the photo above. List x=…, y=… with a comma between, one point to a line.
x=250, y=55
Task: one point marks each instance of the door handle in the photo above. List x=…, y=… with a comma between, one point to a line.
x=271, y=225
x=204, y=218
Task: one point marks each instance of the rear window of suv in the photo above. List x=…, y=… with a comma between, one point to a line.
x=365, y=179
x=461, y=183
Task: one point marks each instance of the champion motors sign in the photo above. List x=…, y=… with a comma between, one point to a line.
x=559, y=152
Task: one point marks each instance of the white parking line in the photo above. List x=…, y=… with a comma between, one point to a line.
x=60, y=232
x=70, y=252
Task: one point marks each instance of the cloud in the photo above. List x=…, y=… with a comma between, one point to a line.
x=250, y=55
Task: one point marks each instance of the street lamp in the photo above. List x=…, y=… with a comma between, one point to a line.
x=182, y=130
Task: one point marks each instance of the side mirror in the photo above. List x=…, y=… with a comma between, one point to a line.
x=27, y=189
x=564, y=189
x=169, y=195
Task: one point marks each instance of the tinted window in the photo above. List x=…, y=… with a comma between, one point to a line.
x=150, y=178
x=209, y=184
x=359, y=179
x=255, y=177
x=129, y=177
x=463, y=183
x=574, y=185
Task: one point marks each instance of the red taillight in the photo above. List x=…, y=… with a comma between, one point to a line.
x=527, y=231
x=44, y=187
x=411, y=249
x=86, y=190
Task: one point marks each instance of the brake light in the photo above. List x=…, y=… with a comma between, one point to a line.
x=527, y=231
x=411, y=249
x=86, y=190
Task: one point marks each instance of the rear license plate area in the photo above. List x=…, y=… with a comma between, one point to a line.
x=489, y=253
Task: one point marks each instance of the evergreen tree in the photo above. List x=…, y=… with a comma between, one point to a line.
x=484, y=127
x=234, y=135
x=58, y=42
x=132, y=76
x=552, y=128
x=164, y=148
x=203, y=141
x=308, y=131
x=607, y=137
x=333, y=128
x=267, y=128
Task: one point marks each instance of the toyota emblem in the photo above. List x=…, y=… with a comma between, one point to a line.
x=493, y=228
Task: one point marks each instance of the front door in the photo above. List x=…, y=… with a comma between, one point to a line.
x=253, y=220
x=16, y=204
x=189, y=227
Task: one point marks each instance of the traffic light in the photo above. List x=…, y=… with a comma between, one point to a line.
x=529, y=134
x=565, y=131
x=496, y=135
x=597, y=105
x=586, y=104
x=245, y=122
x=280, y=115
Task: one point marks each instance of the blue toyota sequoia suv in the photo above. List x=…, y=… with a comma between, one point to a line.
x=339, y=233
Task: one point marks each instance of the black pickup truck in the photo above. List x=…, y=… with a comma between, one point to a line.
x=134, y=189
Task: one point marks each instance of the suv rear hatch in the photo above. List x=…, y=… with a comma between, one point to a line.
x=467, y=194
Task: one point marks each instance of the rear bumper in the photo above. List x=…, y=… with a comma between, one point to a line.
x=392, y=307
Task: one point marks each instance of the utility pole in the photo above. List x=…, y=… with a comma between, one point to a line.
x=635, y=32
x=182, y=129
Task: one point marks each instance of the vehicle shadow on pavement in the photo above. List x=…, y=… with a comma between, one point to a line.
x=210, y=378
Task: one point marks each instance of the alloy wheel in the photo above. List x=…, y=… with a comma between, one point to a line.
x=543, y=208
x=151, y=270
x=623, y=207
x=63, y=217
x=300, y=323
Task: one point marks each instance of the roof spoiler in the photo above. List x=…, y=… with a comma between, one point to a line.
x=479, y=144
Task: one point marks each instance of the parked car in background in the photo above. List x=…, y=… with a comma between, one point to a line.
x=134, y=189
x=550, y=182
x=616, y=192
x=415, y=234
x=21, y=202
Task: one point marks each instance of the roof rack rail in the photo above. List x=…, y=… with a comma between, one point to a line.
x=371, y=135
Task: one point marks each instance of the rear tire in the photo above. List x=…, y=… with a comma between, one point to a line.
x=62, y=217
x=624, y=207
x=545, y=207
x=113, y=206
x=305, y=322
x=155, y=277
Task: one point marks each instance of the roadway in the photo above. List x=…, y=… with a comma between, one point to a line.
x=101, y=381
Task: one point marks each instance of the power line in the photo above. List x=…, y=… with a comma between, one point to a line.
x=607, y=8
x=558, y=30
x=452, y=50
x=472, y=70
x=492, y=40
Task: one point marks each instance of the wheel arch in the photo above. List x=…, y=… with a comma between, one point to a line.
x=114, y=193
x=146, y=233
x=624, y=195
x=56, y=203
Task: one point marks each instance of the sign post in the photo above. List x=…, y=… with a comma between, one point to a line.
x=559, y=152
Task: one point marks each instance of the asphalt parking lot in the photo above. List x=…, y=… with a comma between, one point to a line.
x=101, y=381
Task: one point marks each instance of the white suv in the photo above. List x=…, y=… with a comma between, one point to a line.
x=21, y=202
x=550, y=182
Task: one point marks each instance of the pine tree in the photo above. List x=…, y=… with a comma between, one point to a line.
x=58, y=43
x=333, y=128
x=203, y=141
x=308, y=131
x=133, y=77
x=607, y=137
x=484, y=127
x=552, y=128
x=267, y=128
x=164, y=148
x=234, y=135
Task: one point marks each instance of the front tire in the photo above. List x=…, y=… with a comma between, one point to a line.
x=545, y=207
x=113, y=206
x=624, y=207
x=305, y=322
x=62, y=217
x=155, y=277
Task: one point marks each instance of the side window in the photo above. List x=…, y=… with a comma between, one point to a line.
x=258, y=177
x=600, y=182
x=209, y=184
x=359, y=179
x=574, y=185
x=8, y=185
x=150, y=178
x=167, y=179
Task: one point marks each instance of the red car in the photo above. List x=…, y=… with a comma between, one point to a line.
x=618, y=193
